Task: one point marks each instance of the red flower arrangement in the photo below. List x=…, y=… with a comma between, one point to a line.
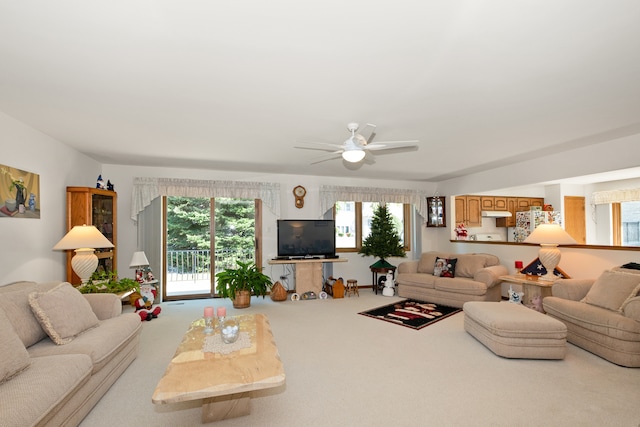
x=461, y=232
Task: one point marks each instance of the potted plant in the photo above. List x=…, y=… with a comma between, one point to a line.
x=108, y=282
x=383, y=241
x=237, y=284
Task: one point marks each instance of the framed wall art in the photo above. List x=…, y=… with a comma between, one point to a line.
x=19, y=193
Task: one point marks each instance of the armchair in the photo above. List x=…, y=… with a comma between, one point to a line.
x=602, y=315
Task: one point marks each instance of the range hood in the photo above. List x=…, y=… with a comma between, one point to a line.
x=496, y=214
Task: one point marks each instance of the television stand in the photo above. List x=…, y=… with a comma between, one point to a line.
x=308, y=272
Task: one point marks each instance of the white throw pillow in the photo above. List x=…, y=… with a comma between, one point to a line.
x=62, y=312
x=612, y=289
x=14, y=357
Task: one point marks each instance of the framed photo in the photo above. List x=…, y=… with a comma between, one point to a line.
x=19, y=193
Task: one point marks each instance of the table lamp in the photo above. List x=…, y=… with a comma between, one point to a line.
x=549, y=236
x=139, y=261
x=84, y=239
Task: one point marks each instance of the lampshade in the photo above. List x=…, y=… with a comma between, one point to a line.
x=139, y=259
x=84, y=239
x=353, y=156
x=549, y=236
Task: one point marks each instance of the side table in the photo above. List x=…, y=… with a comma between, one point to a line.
x=381, y=270
x=531, y=288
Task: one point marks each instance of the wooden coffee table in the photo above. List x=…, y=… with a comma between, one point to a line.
x=223, y=382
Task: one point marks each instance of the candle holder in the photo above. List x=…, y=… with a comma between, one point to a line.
x=219, y=322
x=208, y=325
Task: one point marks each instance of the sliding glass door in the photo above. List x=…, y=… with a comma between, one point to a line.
x=193, y=226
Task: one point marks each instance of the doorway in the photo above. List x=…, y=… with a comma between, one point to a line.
x=574, y=218
x=192, y=227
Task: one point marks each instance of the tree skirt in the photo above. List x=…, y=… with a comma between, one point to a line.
x=411, y=313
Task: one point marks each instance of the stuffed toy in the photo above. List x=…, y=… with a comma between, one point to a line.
x=515, y=297
x=139, y=277
x=143, y=302
x=536, y=303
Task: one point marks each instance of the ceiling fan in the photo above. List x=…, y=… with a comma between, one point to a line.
x=355, y=148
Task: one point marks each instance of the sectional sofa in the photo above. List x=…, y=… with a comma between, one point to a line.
x=60, y=351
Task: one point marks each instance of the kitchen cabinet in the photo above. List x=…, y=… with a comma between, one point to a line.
x=97, y=207
x=517, y=204
x=486, y=203
x=500, y=204
x=493, y=203
x=536, y=201
x=468, y=211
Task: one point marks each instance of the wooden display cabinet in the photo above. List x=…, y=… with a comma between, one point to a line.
x=437, y=212
x=93, y=206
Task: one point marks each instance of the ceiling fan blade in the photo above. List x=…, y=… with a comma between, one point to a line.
x=370, y=159
x=386, y=145
x=325, y=146
x=368, y=132
x=327, y=157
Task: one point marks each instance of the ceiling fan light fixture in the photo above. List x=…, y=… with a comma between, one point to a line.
x=353, y=156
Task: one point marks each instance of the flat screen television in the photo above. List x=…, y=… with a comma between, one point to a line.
x=299, y=238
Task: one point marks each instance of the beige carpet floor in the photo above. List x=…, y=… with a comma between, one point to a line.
x=345, y=369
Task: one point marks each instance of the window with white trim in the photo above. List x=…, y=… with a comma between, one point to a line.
x=353, y=223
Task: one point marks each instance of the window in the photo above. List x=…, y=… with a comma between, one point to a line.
x=630, y=220
x=353, y=223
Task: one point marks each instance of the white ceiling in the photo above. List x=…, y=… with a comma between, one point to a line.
x=235, y=85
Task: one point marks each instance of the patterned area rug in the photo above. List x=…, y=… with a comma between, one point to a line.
x=411, y=313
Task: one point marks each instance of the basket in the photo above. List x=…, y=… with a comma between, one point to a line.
x=242, y=299
x=278, y=292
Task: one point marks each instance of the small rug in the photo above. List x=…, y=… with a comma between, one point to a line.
x=411, y=313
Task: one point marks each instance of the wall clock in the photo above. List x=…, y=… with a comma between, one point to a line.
x=299, y=192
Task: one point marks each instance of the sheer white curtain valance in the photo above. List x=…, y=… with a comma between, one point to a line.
x=329, y=195
x=616, y=196
x=147, y=189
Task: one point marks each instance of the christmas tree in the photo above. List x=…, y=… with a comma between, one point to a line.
x=383, y=242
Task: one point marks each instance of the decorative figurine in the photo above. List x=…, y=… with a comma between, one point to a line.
x=515, y=297
x=389, y=285
x=100, y=182
x=109, y=185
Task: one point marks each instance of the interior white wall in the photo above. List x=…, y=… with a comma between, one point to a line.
x=357, y=266
x=616, y=154
x=25, y=253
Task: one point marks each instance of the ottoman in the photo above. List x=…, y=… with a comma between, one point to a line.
x=515, y=331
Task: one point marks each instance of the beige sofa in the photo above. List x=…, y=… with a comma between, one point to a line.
x=476, y=278
x=602, y=315
x=43, y=383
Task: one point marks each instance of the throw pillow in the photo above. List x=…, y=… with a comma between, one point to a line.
x=634, y=293
x=62, y=312
x=445, y=267
x=612, y=289
x=14, y=357
x=425, y=265
x=469, y=264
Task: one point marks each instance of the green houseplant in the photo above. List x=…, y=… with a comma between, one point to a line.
x=384, y=241
x=238, y=283
x=108, y=282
